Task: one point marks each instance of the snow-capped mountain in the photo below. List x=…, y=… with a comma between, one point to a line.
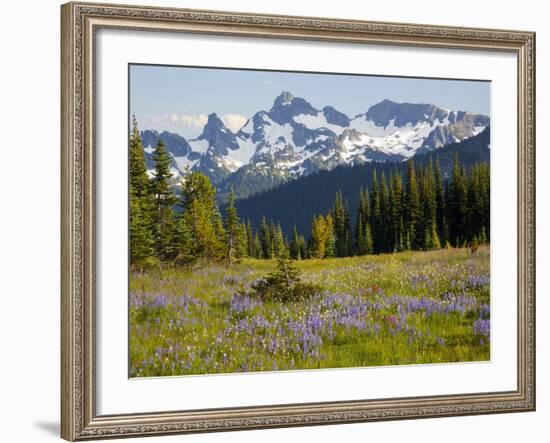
x=294, y=139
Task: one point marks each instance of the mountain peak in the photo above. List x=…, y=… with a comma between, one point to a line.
x=284, y=98
x=286, y=106
x=213, y=126
x=213, y=117
x=402, y=113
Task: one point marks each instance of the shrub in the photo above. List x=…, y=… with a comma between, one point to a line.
x=284, y=284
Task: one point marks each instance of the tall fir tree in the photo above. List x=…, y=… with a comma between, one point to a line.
x=342, y=230
x=142, y=252
x=440, y=202
x=232, y=230
x=202, y=218
x=457, y=208
x=375, y=214
x=279, y=244
x=164, y=198
x=329, y=236
x=430, y=209
x=294, y=249
x=251, y=250
x=318, y=237
x=412, y=208
x=265, y=239
x=384, y=223
x=396, y=210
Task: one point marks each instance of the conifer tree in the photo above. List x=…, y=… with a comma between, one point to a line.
x=439, y=201
x=202, y=217
x=265, y=239
x=241, y=249
x=279, y=244
x=483, y=236
x=412, y=208
x=251, y=252
x=396, y=213
x=164, y=200
x=384, y=222
x=141, y=240
x=304, y=252
x=318, y=237
x=183, y=241
x=342, y=231
x=430, y=208
x=359, y=223
x=294, y=249
x=232, y=228
x=329, y=236
x=139, y=181
x=142, y=253
x=457, y=212
x=257, y=246
x=375, y=214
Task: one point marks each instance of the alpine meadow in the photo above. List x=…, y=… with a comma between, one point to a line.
x=298, y=237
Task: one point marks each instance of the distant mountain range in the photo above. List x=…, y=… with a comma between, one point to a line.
x=294, y=203
x=293, y=139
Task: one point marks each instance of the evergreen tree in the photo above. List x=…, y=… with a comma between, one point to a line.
x=139, y=181
x=359, y=223
x=457, y=213
x=384, y=222
x=163, y=215
x=304, y=252
x=294, y=249
x=265, y=239
x=329, y=236
x=251, y=250
x=483, y=236
x=279, y=244
x=241, y=246
x=232, y=228
x=141, y=240
x=439, y=201
x=184, y=242
x=430, y=208
x=412, y=208
x=142, y=253
x=342, y=230
x=396, y=211
x=318, y=237
x=257, y=247
x=375, y=215
x=202, y=217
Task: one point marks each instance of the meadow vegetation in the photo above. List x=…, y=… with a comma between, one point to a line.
x=390, y=309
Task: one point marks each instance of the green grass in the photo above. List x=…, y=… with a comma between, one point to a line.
x=189, y=321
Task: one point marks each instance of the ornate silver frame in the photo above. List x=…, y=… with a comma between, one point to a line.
x=80, y=21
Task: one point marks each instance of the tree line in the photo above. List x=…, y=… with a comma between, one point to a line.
x=421, y=211
x=418, y=210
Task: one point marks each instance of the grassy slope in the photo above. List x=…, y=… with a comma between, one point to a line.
x=185, y=322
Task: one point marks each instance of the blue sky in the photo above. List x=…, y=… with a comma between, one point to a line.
x=179, y=99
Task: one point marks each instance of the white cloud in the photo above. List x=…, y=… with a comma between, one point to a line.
x=197, y=121
x=188, y=125
x=234, y=121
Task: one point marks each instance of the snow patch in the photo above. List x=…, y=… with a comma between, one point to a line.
x=183, y=163
x=240, y=157
x=200, y=146
x=317, y=122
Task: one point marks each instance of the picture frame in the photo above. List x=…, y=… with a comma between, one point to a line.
x=79, y=388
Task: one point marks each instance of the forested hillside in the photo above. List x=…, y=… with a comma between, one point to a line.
x=293, y=203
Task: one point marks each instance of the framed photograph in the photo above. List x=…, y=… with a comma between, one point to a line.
x=277, y=221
